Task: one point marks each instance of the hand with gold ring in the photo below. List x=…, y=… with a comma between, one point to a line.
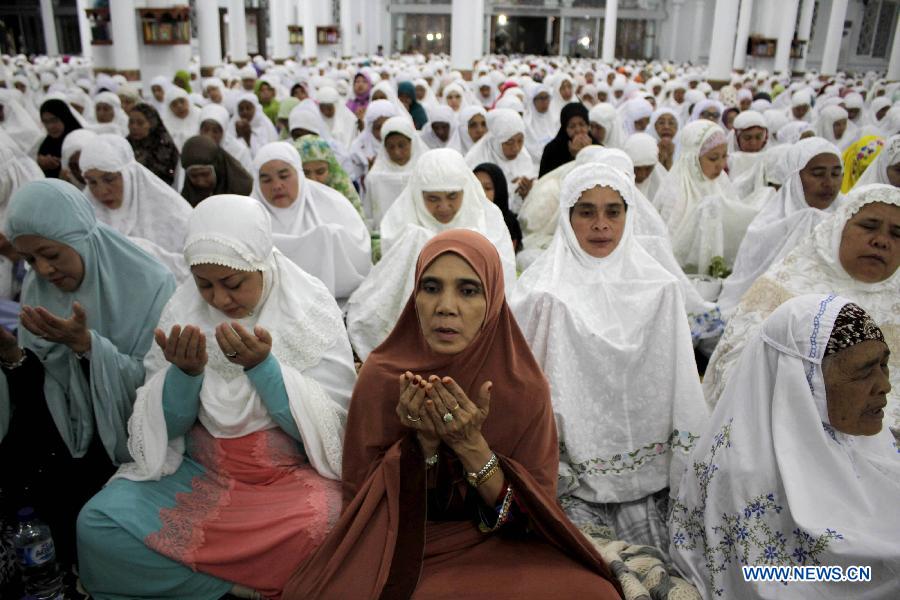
x=455, y=418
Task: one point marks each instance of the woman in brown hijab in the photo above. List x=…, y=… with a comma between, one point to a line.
x=209, y=171
x=450, y=455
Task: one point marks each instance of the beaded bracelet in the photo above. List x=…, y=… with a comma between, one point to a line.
x=502, y=512
x=476, y=479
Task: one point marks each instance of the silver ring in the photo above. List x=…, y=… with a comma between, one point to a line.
x=231, y=354
x=448, y=417
x=409, y=418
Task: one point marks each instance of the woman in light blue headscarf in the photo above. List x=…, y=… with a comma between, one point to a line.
x=89, y=306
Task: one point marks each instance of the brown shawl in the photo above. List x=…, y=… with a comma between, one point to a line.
x=376, y=549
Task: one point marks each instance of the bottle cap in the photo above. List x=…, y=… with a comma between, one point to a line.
x=25, y=514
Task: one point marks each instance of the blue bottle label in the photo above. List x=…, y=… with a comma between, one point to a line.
x=36, y=554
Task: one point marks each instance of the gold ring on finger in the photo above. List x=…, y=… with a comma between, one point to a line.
x=410, y=418
x=455, y=407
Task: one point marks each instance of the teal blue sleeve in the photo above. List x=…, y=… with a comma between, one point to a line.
x=266, y=377
x=181, y=400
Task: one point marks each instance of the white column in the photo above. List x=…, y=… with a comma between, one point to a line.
x=563, y=44
x=698, y=31
x=49, y=23
x=833, y=37
x=346, y=28
x=597, y=38
x=788, y=15
x=804, y=29
x=84, y=28
x=673, y=40
x=237, y=31
x=310, y=41
x=124, y=35
x=466, y=37
x=278, y=29
x=893, y=72
x=721, y=46
x=208, y=33
x=743, y=32
x=609, y=31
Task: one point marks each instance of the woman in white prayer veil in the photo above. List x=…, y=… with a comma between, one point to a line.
x=312, y=224
x=562, y=92
x=786, y=219
x=541, y=124
x=71, y=152
x=698, y=203
x=834, y=126
x=471, y=120
x=236, y=435
x=504, y=145
x=445, y=119
x=250, y=125
x=395, y=164
x=365, y=147
x=110, y=118
x=797, y=466
x=605, y=116
x=776, y=167
x=885, y=168
x=181, y=118
x=747, y=145
x=19, y=124
x=342, y=122
x=135, y=202
x=442, y=194
x=214, y=121
x=644, y=153
x=305, y=119
x=835, y=258
x=597, y=297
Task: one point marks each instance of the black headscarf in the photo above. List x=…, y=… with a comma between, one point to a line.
x=157, y=151
x=556, y=152
x=501, y=200
x=231, y=177
x=53, y=146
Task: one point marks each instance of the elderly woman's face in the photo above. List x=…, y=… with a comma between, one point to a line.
x=230, y=291
x=54, y=261
x=108, y=188
x=598, y=220
x=713, y=162
x=666, y=126
x=870, y=244
x=451, y=304
x=856, y=387
x=279, y=183
x=443, y=206
x=821, y=179
x=477, y=127
x=398, y=148
x=513, y=146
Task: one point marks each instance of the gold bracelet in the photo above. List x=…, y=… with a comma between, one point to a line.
x=474, y=478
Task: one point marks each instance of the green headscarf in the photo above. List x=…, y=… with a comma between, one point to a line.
x=313, y=148
x=270, y=109
x=284, y=112
x=184, y=78
x=123, y=293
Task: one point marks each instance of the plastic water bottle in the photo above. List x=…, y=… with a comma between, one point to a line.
x=37, y=558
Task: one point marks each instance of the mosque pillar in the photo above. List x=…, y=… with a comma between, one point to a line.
x=721, y=46
x=466, y=40
x=563, y=42
x=804, y=29
x=699, y=7
x=281, y=49
x=208, y=36
x=49, y=23
x=893, y=72
x=743, y=32
x=788, y=12
x=673, y=40
x=310, y=41
x=126, y=57
x=346, y=28
x=609, y=31
x=84, y=28
x=237, y=32
x=835, y=33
